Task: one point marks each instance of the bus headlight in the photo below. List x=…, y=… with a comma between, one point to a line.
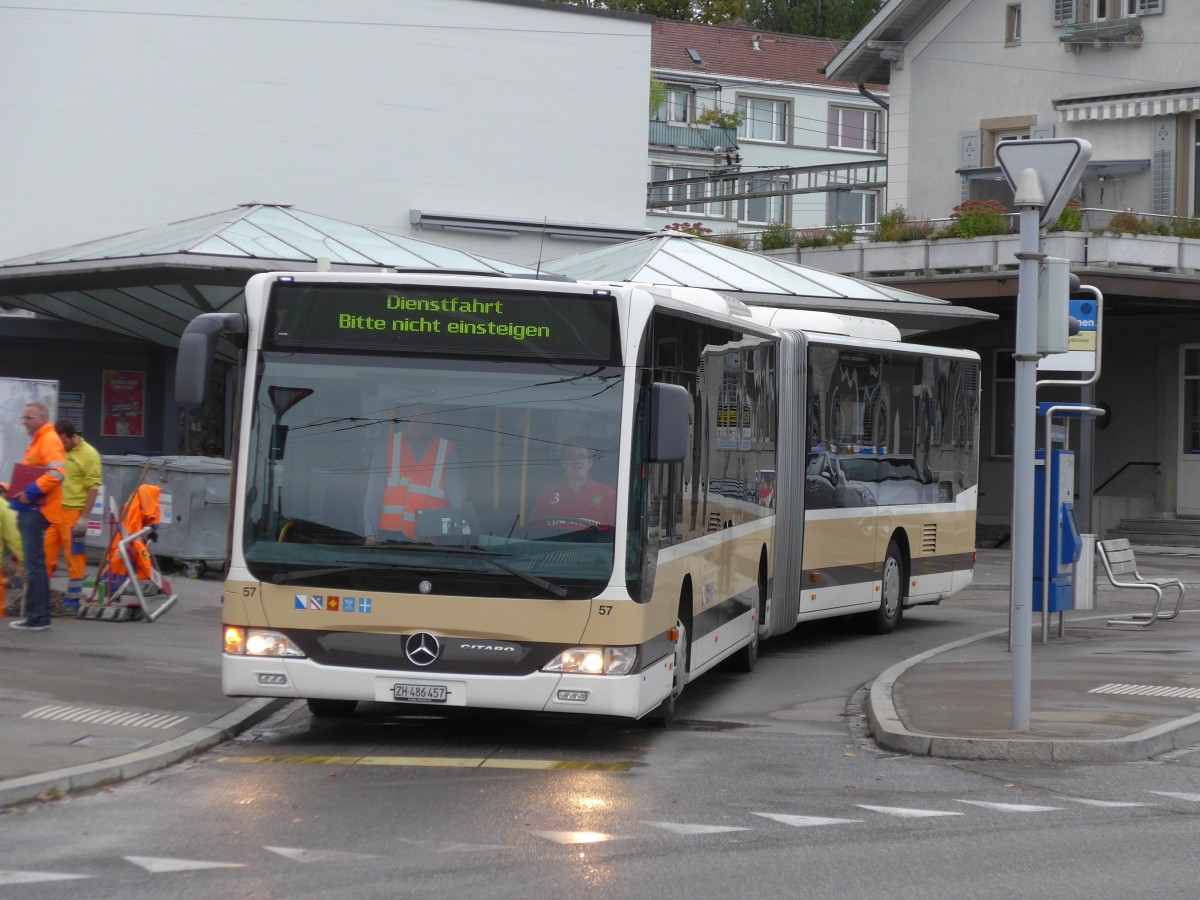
x=258, y=642
x=593, y=661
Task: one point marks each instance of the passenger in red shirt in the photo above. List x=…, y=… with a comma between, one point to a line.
x=576, y=500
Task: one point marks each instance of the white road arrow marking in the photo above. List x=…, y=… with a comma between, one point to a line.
x=298, y=855
x=1194, y=798
x=12, y=876
x=805, y=821
x=906, y=813
x=158, y=864
x=1102, y=803
x=574, y=837
x=1010, y=807
x=682, y=828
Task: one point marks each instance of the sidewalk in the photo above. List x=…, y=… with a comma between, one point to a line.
x=87, y=702
x=956, y=700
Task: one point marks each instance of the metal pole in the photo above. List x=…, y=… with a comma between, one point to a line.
x=1025, y=421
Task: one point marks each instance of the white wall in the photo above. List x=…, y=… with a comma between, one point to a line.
x=121, y=116
x=960, y=72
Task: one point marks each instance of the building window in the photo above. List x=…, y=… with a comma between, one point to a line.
x=854, y=128
x=1012, y=24
x=763, y=120
x=677, y=106
x=1004, y=389
x=692, y=197
x=1071, y=12
x=761, y=210
x=853, y=207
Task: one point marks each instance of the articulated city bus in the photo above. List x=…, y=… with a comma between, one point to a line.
x=511, y=493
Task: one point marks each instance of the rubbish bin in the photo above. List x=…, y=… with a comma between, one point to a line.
x=1085, y=573
x=198, y=487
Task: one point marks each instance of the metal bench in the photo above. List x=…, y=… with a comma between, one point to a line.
x=1118, y=559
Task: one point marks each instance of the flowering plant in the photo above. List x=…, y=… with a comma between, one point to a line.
x=698, y=229
x=976, y=218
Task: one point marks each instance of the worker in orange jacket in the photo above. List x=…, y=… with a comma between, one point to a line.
x=38, y=506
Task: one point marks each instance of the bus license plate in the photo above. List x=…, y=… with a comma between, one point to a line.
x=419, y=693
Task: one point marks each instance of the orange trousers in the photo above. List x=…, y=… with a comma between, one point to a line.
x=58, y=537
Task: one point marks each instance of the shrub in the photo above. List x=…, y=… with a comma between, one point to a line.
x=1185, y=228
x=897, y=226
x=1129, y=222
x=718, y=118
x=734, y=239
x=978, y=218
x=842, y=233
x=1071, y=218
x=777, y=236
x=813, y=237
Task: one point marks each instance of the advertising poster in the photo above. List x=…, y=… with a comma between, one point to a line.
x=70, y=407
x=123, y=404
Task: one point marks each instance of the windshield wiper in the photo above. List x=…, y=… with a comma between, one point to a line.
x=281, y=577
x=489, y=556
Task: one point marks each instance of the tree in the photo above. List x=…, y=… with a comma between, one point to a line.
x=708, y=12
x=839, y=19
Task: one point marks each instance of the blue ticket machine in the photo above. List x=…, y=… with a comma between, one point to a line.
x=1064, y=539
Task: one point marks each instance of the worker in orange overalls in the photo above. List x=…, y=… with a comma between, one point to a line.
x=38, y=506
x=142, y=510
x=10, y=538
x=414, y=469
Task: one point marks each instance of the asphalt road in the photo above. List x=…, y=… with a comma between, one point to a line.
x=767, y=786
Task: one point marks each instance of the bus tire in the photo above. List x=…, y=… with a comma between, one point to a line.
x=891, y=600
x=331, y=709
x=664, y=714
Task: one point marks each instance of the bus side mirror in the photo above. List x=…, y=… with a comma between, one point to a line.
x=197, y=347
x=670, y=408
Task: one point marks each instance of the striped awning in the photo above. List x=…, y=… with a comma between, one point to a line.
x=1128, y=106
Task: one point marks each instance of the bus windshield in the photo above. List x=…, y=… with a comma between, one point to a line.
x=476, y=477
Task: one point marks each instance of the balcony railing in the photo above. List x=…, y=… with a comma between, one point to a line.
x=686, y=136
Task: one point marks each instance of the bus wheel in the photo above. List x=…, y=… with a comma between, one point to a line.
x=745, y=658
x=891, y=602
x=331, y=709
x=664, y=714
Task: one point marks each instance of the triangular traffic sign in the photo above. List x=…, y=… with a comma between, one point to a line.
x=1059, y=163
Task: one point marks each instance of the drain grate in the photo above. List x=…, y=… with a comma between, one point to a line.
x=1149, y=690
x=94, y=716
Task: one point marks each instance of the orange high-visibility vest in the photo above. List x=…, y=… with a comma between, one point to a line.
x=413, y=484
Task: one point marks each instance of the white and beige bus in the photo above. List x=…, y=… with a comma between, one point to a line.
x=744, y=469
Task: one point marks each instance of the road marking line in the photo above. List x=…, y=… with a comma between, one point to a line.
x=805, y=821
x=1010, y=807
x=574, y=837
x=549, y=765
x=12, y=876
x=105, y=716
x=297, y=854
x=1194, y=798
x=1104, y=804
x=682, y=828
x=159, y=864
x=906, y=813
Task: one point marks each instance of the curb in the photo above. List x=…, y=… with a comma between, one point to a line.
x=71, y=780
x=890, y=733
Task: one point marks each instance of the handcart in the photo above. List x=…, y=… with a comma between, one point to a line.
x=129, y=584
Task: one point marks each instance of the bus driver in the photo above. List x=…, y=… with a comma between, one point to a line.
x=576, y=499
x=414, y=469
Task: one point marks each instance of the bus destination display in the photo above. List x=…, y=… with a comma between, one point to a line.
x=396, y=318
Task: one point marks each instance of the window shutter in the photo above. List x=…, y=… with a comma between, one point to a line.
x=1041, y=132
x=1162, y=169
x=1148, y=7
x=1064, y=12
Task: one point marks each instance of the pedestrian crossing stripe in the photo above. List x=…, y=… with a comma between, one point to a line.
x=160, y=864
x=805, y=821
x=1010, y=807
x=1194, y=798
x=685, y=829
x=14, y=876
x=553, y=765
